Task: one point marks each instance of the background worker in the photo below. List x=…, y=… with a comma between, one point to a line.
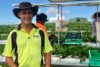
x=95, y=19
x=40, y=21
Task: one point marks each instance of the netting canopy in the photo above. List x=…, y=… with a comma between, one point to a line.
x=70, y=0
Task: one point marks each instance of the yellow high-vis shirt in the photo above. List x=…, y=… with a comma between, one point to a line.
x=28, y=47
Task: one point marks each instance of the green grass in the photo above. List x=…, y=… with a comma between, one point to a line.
x=1, y=48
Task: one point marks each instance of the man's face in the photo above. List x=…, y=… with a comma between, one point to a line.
x=26, y=16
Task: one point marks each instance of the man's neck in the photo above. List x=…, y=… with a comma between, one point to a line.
x=40, y=22
x=27, y=27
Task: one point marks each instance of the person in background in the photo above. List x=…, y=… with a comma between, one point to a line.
x=95, y=19
x=40, y=21
x=28, y=42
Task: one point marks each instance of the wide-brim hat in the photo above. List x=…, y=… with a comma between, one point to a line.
x=25, y=6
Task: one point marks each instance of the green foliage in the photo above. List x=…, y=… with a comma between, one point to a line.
x=50, y=27
x=85, y=28
x=3, y=36
x=62, y=37
x=3, y=64
x=6, y=28
x=72, y=50
x=79, y=26
x=1, y=48
x=88, y=37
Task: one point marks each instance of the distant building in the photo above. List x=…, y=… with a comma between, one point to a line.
x=78, y=19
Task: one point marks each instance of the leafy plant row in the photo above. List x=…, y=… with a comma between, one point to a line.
x=78, y=51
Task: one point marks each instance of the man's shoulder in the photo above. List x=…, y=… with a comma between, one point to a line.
x=14, y=30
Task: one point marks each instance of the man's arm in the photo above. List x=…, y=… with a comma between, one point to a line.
x=47, y=59
x=10, y=62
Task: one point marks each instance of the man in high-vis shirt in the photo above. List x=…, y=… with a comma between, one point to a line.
x=28, y=40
